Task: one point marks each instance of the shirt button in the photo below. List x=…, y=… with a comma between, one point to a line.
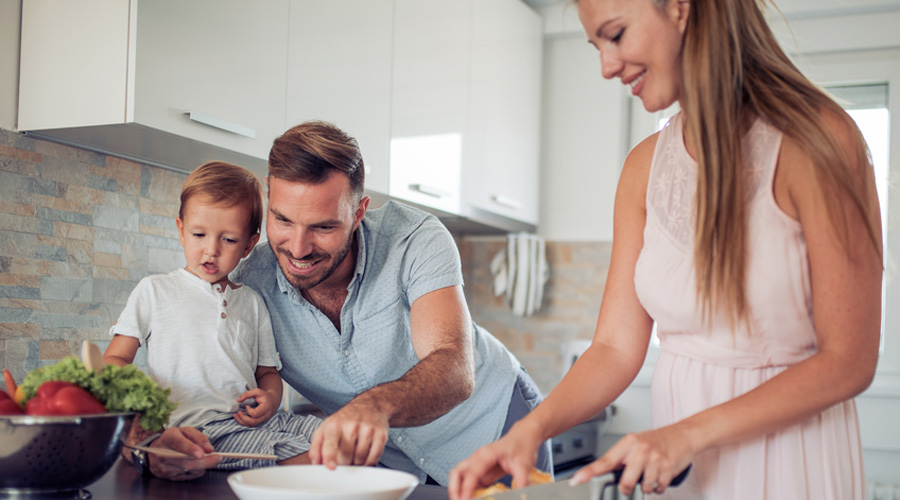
x=223, y=315
x=421, y=461
x=347, y=352
x=399, y=439
x=224, y=303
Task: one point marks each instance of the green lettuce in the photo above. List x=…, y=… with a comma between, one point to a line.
x=120, y=389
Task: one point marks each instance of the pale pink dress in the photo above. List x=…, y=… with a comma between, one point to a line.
x=701, y=366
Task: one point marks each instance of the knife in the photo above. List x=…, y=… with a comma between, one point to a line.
x=562, y=490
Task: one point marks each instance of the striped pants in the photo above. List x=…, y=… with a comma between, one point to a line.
x=285, y=435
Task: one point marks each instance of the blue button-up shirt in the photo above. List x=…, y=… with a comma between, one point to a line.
x=404, y=253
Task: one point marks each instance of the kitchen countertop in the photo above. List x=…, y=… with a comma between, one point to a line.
x=123, y=481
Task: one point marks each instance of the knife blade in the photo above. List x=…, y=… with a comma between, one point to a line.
x=562, y=490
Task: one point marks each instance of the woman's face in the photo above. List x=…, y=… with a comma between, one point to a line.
x=640, y=42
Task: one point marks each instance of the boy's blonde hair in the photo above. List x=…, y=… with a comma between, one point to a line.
x=226, y=183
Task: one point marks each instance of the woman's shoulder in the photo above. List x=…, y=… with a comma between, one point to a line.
x=797, y=163
x=642, y=155
x=636, y=170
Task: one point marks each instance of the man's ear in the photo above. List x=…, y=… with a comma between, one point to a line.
x=360, y=211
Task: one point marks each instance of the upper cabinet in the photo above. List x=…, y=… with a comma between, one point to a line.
x=339, y=71
x=503, y=131
x=164, y=81
x=442, y=95
x=430, y=101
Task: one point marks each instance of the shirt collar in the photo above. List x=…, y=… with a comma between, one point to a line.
x=362, y=235
x=196, y=281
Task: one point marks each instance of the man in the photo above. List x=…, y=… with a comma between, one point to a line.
x=370, y=319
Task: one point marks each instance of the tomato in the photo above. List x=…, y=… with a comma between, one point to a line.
x=63, y=398
x=8, y=406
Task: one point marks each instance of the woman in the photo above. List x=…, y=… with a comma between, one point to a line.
x=748, y=230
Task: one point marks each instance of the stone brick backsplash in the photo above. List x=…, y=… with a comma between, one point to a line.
x=569, y=311
x=79, y=229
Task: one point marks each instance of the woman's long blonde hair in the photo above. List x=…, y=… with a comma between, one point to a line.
x=733, y=68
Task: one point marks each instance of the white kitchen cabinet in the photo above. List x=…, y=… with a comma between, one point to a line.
x=339, y=71
x=503, y=134
x=164, y=81
x=430, y=86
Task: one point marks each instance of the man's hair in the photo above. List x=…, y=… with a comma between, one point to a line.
x=229, y=184
x=311, y=151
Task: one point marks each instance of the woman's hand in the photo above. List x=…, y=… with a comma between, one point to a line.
x=514, y=454
x=654, y=457
x=251, y=416
x=187, y=440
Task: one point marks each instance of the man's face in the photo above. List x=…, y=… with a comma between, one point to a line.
x=310, y=228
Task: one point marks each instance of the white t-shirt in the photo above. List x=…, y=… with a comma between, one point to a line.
x=203, y=343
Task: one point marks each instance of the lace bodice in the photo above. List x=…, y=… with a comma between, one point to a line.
x=779, y=300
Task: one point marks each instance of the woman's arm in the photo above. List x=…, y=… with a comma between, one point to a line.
x=604, y=370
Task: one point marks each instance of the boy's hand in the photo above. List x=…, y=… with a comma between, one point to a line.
x=251, y=416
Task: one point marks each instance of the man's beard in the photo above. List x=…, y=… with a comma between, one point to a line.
x=306, y=282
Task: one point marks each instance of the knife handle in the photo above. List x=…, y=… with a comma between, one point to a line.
x=617, y=475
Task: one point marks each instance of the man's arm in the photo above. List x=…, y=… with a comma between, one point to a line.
x=442, y=338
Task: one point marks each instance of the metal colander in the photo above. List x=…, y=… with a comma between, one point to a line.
x=57, y=454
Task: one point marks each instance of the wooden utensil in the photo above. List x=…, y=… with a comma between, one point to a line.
x=91, y=356
x=164, y=452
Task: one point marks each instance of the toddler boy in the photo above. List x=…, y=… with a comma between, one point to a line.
x=209, y=339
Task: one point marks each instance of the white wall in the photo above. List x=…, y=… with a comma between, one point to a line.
x=10, y=12
x=582, y=143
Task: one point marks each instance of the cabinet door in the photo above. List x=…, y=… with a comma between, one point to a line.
x=213, y=70
x=339, y=71
x=503, y=135
x=430, y=100
x=59, y=41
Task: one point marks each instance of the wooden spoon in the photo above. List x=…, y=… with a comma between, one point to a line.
x=165, y=452
x=91, y=356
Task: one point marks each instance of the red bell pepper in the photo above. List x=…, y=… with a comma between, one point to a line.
x=63, y=398
x=8, y=406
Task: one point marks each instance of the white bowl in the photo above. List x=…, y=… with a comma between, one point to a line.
x=315, y=482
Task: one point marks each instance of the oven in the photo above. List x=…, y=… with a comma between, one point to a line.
x=577, y=446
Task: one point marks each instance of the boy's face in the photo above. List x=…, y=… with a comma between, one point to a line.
x=215, y=238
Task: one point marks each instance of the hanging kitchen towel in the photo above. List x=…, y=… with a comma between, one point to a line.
x=520, y=272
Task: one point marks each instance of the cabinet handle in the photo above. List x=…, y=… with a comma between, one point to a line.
x=506, y=202
x=221, y=124
x=430, y=191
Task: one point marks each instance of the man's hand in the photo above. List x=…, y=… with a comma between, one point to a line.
x=251, y=416
x=355, y=435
